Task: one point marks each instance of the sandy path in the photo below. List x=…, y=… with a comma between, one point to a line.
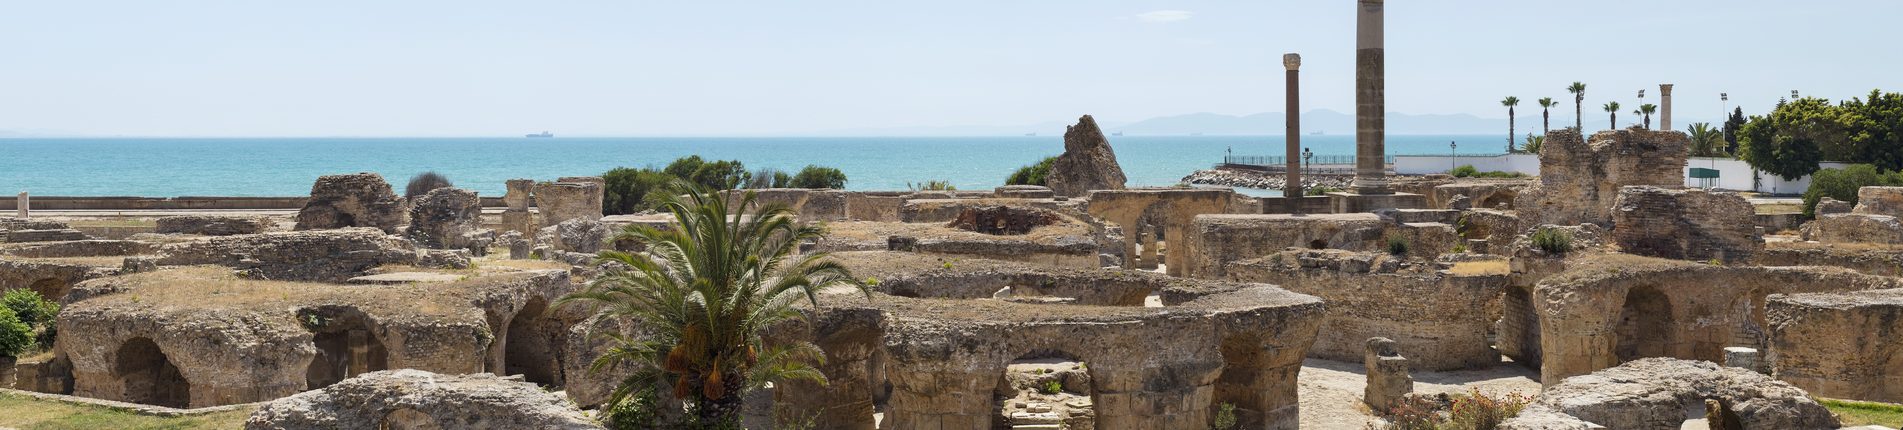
x=1331, y=390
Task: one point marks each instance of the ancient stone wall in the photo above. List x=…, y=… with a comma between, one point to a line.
x=1685, y=224
x=1214, y=241
x=442, y=217
x=1438, y=319
x=1879, y=201
x=1853, y=228
x=1654, y=393
x=1145, y=214
x=50, y=279
x=563, y=201
x=211, y=225
x=1580, y=179
x=329, y=255
x=1087, y=164
x=1839, y=345
x=1618, y=308
x=427, y=401
x=354, y=200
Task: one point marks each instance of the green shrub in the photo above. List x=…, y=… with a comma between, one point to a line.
x=640, y=410
x=1476, y=411
x=932, y=185
x=819, y=177
x=1225, y=417
x=1319, y=191
x=1842, y=184
x=1464, y=171
x=1460, y=248
x=1033, y=174
x=16, y=337
x=30, y=308
x=1051, y=387
x=422, y=183
x=626, y=190
x=1414, y=412
x=1397, y=245
x=770, y=178
x=1553, y=240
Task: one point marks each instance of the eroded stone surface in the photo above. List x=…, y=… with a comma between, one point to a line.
x=1840, y=345
x=418, y=399
x=443, y=217
x=211, y=225
x=1580, y=179
x=1087, y=164
x=322, y=255
x=1685, y=224
x=1655, y=393
x=354, y=200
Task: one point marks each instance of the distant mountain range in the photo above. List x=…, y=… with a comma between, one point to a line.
x=1267, y=123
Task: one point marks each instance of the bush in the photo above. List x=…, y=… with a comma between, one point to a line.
x=1553, y=240
x=1477, y=411
x=1033, y=174
x=1414, y=412
x=769, y=178
x=932, y=185
x=422, y=183
x=30, y=308
x=819, y=177
x=625, y=190
x=1319, y=191
x=1225, y=417
x=1397, y=245
x=1842, y=184
x=1468, y=171
x=16, y=337
x=1051, y=387
x=1464, y=171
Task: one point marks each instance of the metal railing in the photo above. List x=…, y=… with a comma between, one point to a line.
x=1277, y=160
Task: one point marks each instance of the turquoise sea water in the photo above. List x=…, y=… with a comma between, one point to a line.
x=170, y=167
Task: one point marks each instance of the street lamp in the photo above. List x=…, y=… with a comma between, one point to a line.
x=1793, y=95
x=1307, y=157
x=1453, y=156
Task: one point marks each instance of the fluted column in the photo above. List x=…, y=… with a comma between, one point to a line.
x=1370, y=103
x=1665, y=106
x=1292, y=188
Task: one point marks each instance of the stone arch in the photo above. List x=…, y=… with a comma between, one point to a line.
x=1646, y=327
x=147, y=376
x=531, y=347
x=408, y=419
x=1068, y=382
x=346, y=344
x=49, y=288
x=1318, y=244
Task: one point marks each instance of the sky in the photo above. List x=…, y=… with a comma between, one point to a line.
x=654, y=68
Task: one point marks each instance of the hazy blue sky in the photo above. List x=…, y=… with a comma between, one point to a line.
x=473, y=68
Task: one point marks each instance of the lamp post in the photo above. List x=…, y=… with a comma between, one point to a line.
x=1307, y=160
x=1793, y=95
x=1453, y=156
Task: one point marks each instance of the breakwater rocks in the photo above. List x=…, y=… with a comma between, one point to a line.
x=1263, y=180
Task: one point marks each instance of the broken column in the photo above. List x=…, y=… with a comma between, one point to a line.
x=1388, y=380
x=566, y=200
x=1665, y=107
x=1370, y=103
x=1292, y=188
x=516, y=216
x=444, y=217
x=20, y=205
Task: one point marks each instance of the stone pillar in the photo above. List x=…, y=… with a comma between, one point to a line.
x=359, y=353
x=1744, y=358
x=1292, y=188
x=1388, y=380
x=1370, y=101
x=21, y=204
x=517, y=217
x=1665, y=106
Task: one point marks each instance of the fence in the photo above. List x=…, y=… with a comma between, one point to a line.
x=1279, y=161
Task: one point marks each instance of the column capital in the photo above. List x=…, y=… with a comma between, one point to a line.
x=1292, y=61
x=1665, y=88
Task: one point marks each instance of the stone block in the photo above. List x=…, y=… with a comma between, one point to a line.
x=1685, y=224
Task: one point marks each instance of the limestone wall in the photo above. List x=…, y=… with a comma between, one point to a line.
x=1580, y=179
x=1439, y=319
x=1685, y=224
x=1840, y=345
x=1214, y=241
x=1656, y=393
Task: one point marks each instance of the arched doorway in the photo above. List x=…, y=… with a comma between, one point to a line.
x=147, y=376
x=1519, y=331
x=346, y=346
x=1645, y=325
x=1044, y=388
x=531, y=348
x=49, y=288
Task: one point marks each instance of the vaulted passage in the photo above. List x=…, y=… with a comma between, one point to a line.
x=50, y=288
x=345, y=344
x=1519, y=330
x=149, y=377
x=532, y=346
x=1645, y=325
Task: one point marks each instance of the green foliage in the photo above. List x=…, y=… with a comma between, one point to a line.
x=1464, y=171
x=769, y=178
x=30, y=307
x=1733, y=125
x=1553, y=240
x=422, y=183
x=1414, y=412
x=1612, y=110
x=1468, y=171
x=1533, y=143
x=1855, y=413
x=16, y=336
x=1876, y=126
x=1790, y=141
x=1397, y=245
x=1476, y=411
x=1842, y=184
x=1319, y=191
x=639, y=411
x=1648, y=109
x=1033, y=174
x=709, y=284
x=1051, y=387
x=626, y=189
x=1706, y=141
x=819, y=177
x=1225, y=417
x=932, y=185
x=1460, y=248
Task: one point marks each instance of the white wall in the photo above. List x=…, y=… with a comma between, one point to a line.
x=1426, y=164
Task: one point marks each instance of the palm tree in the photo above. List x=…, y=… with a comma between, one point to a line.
x=1579, y=96
x=1533, y=143
x=1510, y=102
x=704, y=290
x=1546, y=114
x=1647, y=110
x=1613, y=121
x=1707, y=141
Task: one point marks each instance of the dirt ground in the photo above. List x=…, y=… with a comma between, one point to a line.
x=1331, y=390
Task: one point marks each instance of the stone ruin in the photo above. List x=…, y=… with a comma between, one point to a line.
x=354, y=200
x=1580, y=179
x=1655, y=393
x=1872, y=220
x=1388, y=380
x=1088, y=164
x=290, y=255
x=415, y=399
x=1148, y=216
x=1685, y=224
x=1216, y=241
x=1839, y=344
x=211, y=225
x=569, y=198
x=447, y=218
x=1003, y=220
x=515, y=215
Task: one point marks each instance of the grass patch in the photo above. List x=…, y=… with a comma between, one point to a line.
x=1855, y=413
x=1780, y=208
x=1481, y=268
x=28, y=413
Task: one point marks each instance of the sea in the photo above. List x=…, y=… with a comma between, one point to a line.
x=173, y=167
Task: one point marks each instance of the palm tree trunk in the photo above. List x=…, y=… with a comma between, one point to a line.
x=1648, y=121
x=1510, y=129
x=1546, y=120
x=1579, y=113
x=716, y=413
x=1612, y=120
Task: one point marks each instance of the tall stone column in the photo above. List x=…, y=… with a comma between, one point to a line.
x=21, y=205
x=1292, y=188
x=1665, y=106
x=1370, y=102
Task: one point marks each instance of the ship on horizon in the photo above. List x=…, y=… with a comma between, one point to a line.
x=542, y=134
